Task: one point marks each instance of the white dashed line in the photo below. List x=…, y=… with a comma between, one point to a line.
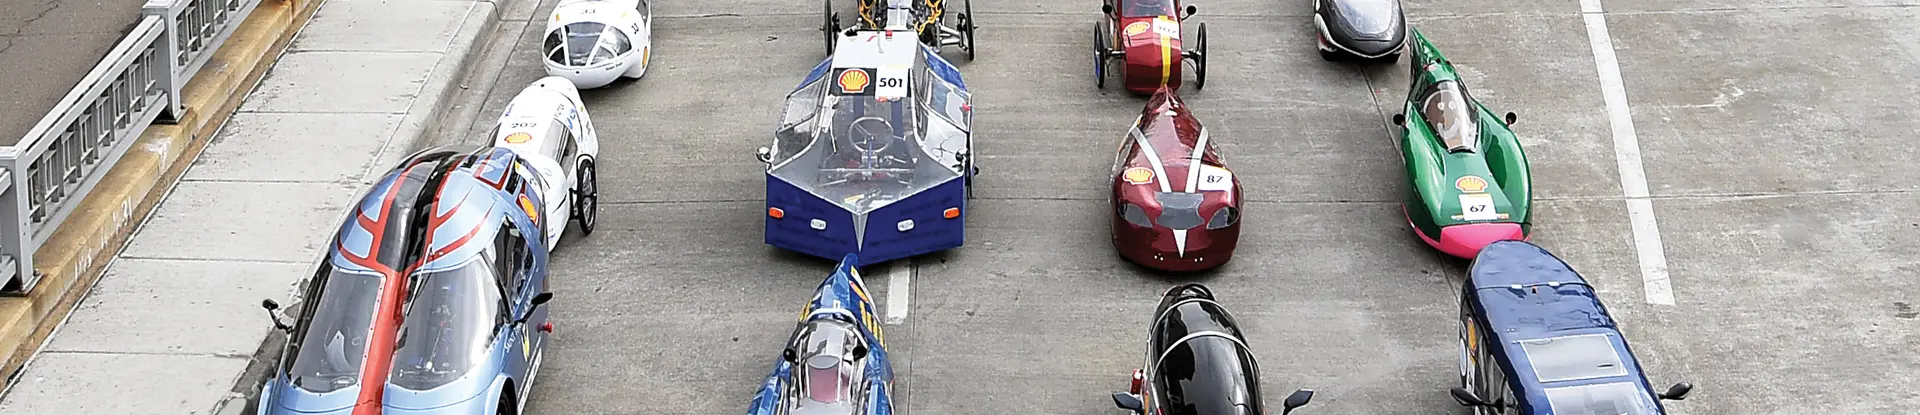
x=899, y=282
x=1626, y=150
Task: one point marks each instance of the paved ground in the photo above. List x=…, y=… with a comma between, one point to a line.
x=250, y=218
x=46, y=46
x=1772, y=136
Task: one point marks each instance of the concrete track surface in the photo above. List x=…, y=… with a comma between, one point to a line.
x=1773, y=138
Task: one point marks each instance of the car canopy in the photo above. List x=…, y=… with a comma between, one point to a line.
x=1201, y=366
x=1554, y=336
x=878, y=122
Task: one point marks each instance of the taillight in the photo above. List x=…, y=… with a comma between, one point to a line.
x=776, y=213
x=1134, y=386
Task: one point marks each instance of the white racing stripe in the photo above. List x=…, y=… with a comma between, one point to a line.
x=899, y=282
x=1626, y=150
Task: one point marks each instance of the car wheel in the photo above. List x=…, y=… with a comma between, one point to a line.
x=1099, y=55
x=828, y=26
x=1200, y=64
x=967, y=20
x=506, y=407
x=1329, y=56
x=586, y=198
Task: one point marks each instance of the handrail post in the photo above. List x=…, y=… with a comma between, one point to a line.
x=16, y=235
x=169, y=46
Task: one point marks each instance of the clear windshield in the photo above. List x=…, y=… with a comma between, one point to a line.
x=1371, y=17
x=1451, y=115
x=1147, y=8
x=449, y=326
x=1618, y=398
x=862, y=153
x=828, y=374
x=332, y=345
x=1207, y=376
x=585, y=44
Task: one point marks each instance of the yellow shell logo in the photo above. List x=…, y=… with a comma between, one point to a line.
x=1138, y=175
x=1136, y=28
x=517, y=138
x=1471, y=184
x=853, y=80
x=527, y=205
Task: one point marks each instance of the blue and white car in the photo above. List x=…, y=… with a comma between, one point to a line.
x=873, y=155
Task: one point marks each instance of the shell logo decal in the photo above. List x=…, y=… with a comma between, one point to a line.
x=853, y=81
x=1137, y=175
x=517, y=138
x=527, y=205
x=1136, y=28
x=1470, y=184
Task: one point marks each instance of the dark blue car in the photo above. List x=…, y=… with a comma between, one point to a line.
x=873, y=154
x=429, y=299
x=836, y=361
x=1535, y=340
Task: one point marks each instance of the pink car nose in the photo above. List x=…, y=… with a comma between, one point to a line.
x=1466, y=240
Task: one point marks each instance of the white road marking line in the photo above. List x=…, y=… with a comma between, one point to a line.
x=1626, y=150
x=899, y=282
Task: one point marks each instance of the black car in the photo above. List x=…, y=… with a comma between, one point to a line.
x=1197, y=362
x=1366, y=29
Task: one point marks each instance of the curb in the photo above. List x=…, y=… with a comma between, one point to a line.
x=74, y=256
x=424, y=119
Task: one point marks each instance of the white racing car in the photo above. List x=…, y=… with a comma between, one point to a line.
x=594, y=42
x=548, y=127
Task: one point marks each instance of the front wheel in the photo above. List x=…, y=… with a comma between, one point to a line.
x=830, y=25
x=586, y=198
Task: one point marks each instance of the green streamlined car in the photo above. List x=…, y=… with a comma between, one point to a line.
x=1469, y=181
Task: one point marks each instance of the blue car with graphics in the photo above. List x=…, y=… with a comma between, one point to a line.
x=873, y=155
x=1535, y=340
x=836, y=361
x=429, y=300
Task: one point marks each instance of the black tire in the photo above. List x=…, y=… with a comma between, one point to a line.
x=1099, y=55
x=1200, y=61
x=827, y=26
x=1328, y=55
x=967, y=20
x=507, y=407
x=586, y=198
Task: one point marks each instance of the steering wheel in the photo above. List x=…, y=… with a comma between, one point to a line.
x=865, y=129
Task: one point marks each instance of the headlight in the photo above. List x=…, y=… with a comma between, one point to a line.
x=1227, y=216
x=1135, y=215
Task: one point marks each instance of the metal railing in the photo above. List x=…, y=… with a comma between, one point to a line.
x=138, y=83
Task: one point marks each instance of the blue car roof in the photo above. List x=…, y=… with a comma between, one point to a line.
x=1552, y=329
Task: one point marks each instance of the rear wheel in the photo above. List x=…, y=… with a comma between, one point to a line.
x=1200, y=61
x=507, y=407
x=967, y=26
x=1099, y=55
x=586, y=198
x=829, y=25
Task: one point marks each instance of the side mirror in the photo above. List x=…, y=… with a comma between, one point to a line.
x=1466, y=398
x=538, y=300
x=1298, y=399
x=1106, y=9
x=1128, y=401
x=273, y=312
x=1677, y=392
x=790, y=356
x=1511, y=117
x=765, y=155
x=1190, y=10
x=1400, y=119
